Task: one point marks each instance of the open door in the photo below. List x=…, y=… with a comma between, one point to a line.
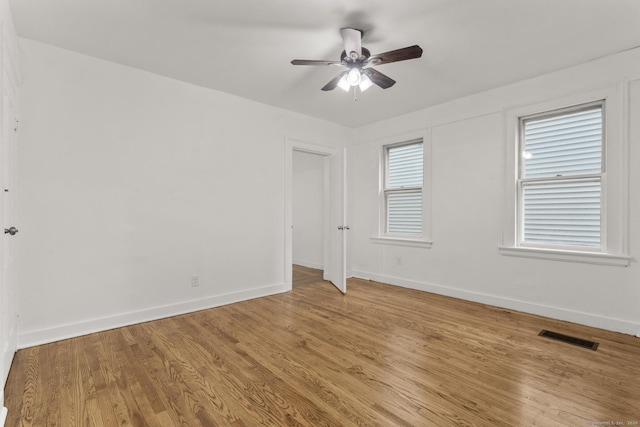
x=338, y=224
x=8, y=319
x=335, y=228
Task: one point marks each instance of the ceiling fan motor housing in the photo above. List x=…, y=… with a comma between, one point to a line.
x=353, y=56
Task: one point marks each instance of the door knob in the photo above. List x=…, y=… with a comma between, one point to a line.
x=11, y=231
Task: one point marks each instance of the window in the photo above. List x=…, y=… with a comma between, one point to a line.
x=404, y=190
x=404, y=166
x=566, y=179
x=560, y=178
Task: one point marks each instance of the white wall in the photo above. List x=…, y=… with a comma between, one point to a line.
x=308, y=209
x=467, y=190
x=131, y=183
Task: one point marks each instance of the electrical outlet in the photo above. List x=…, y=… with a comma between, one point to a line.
x=195, y=281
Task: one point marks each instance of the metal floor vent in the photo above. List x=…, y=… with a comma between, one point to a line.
x=569, y=340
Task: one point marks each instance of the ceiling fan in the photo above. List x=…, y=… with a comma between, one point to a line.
x=358, y=60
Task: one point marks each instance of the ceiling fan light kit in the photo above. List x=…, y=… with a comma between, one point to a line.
x=354, y=76
x=358, y=61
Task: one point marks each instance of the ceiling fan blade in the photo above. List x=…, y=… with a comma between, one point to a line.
x=334, y=82
x=403, y=54
x=314, y=62
x=352, y=39
x=378, y=78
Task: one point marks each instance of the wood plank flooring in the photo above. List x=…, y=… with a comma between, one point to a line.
x=379, y=355
x=303, y=276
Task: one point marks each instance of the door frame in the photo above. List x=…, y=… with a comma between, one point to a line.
x=326, y=152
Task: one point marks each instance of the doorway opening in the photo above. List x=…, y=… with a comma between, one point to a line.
x=332, y=211
x=308, y=209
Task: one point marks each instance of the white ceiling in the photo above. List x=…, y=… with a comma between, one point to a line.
x=244, y=47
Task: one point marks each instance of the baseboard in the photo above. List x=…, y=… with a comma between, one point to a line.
x=309, y=264
x=89, y=326
x=602, y=322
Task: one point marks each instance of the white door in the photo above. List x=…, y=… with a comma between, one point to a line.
x=338, y=226
x=335, y=228
x=8, y=321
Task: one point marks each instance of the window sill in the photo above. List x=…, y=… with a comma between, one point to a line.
x=569, y=256
x=402, y=241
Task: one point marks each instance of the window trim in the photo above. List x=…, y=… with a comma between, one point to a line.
x=380, y=236
x=613, y=248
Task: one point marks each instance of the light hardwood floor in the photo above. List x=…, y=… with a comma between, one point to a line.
x=304, y=276
x=380, y=355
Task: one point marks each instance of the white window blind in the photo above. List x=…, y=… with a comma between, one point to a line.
x=403, y=188
x=567, y=213
x=560, y=181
